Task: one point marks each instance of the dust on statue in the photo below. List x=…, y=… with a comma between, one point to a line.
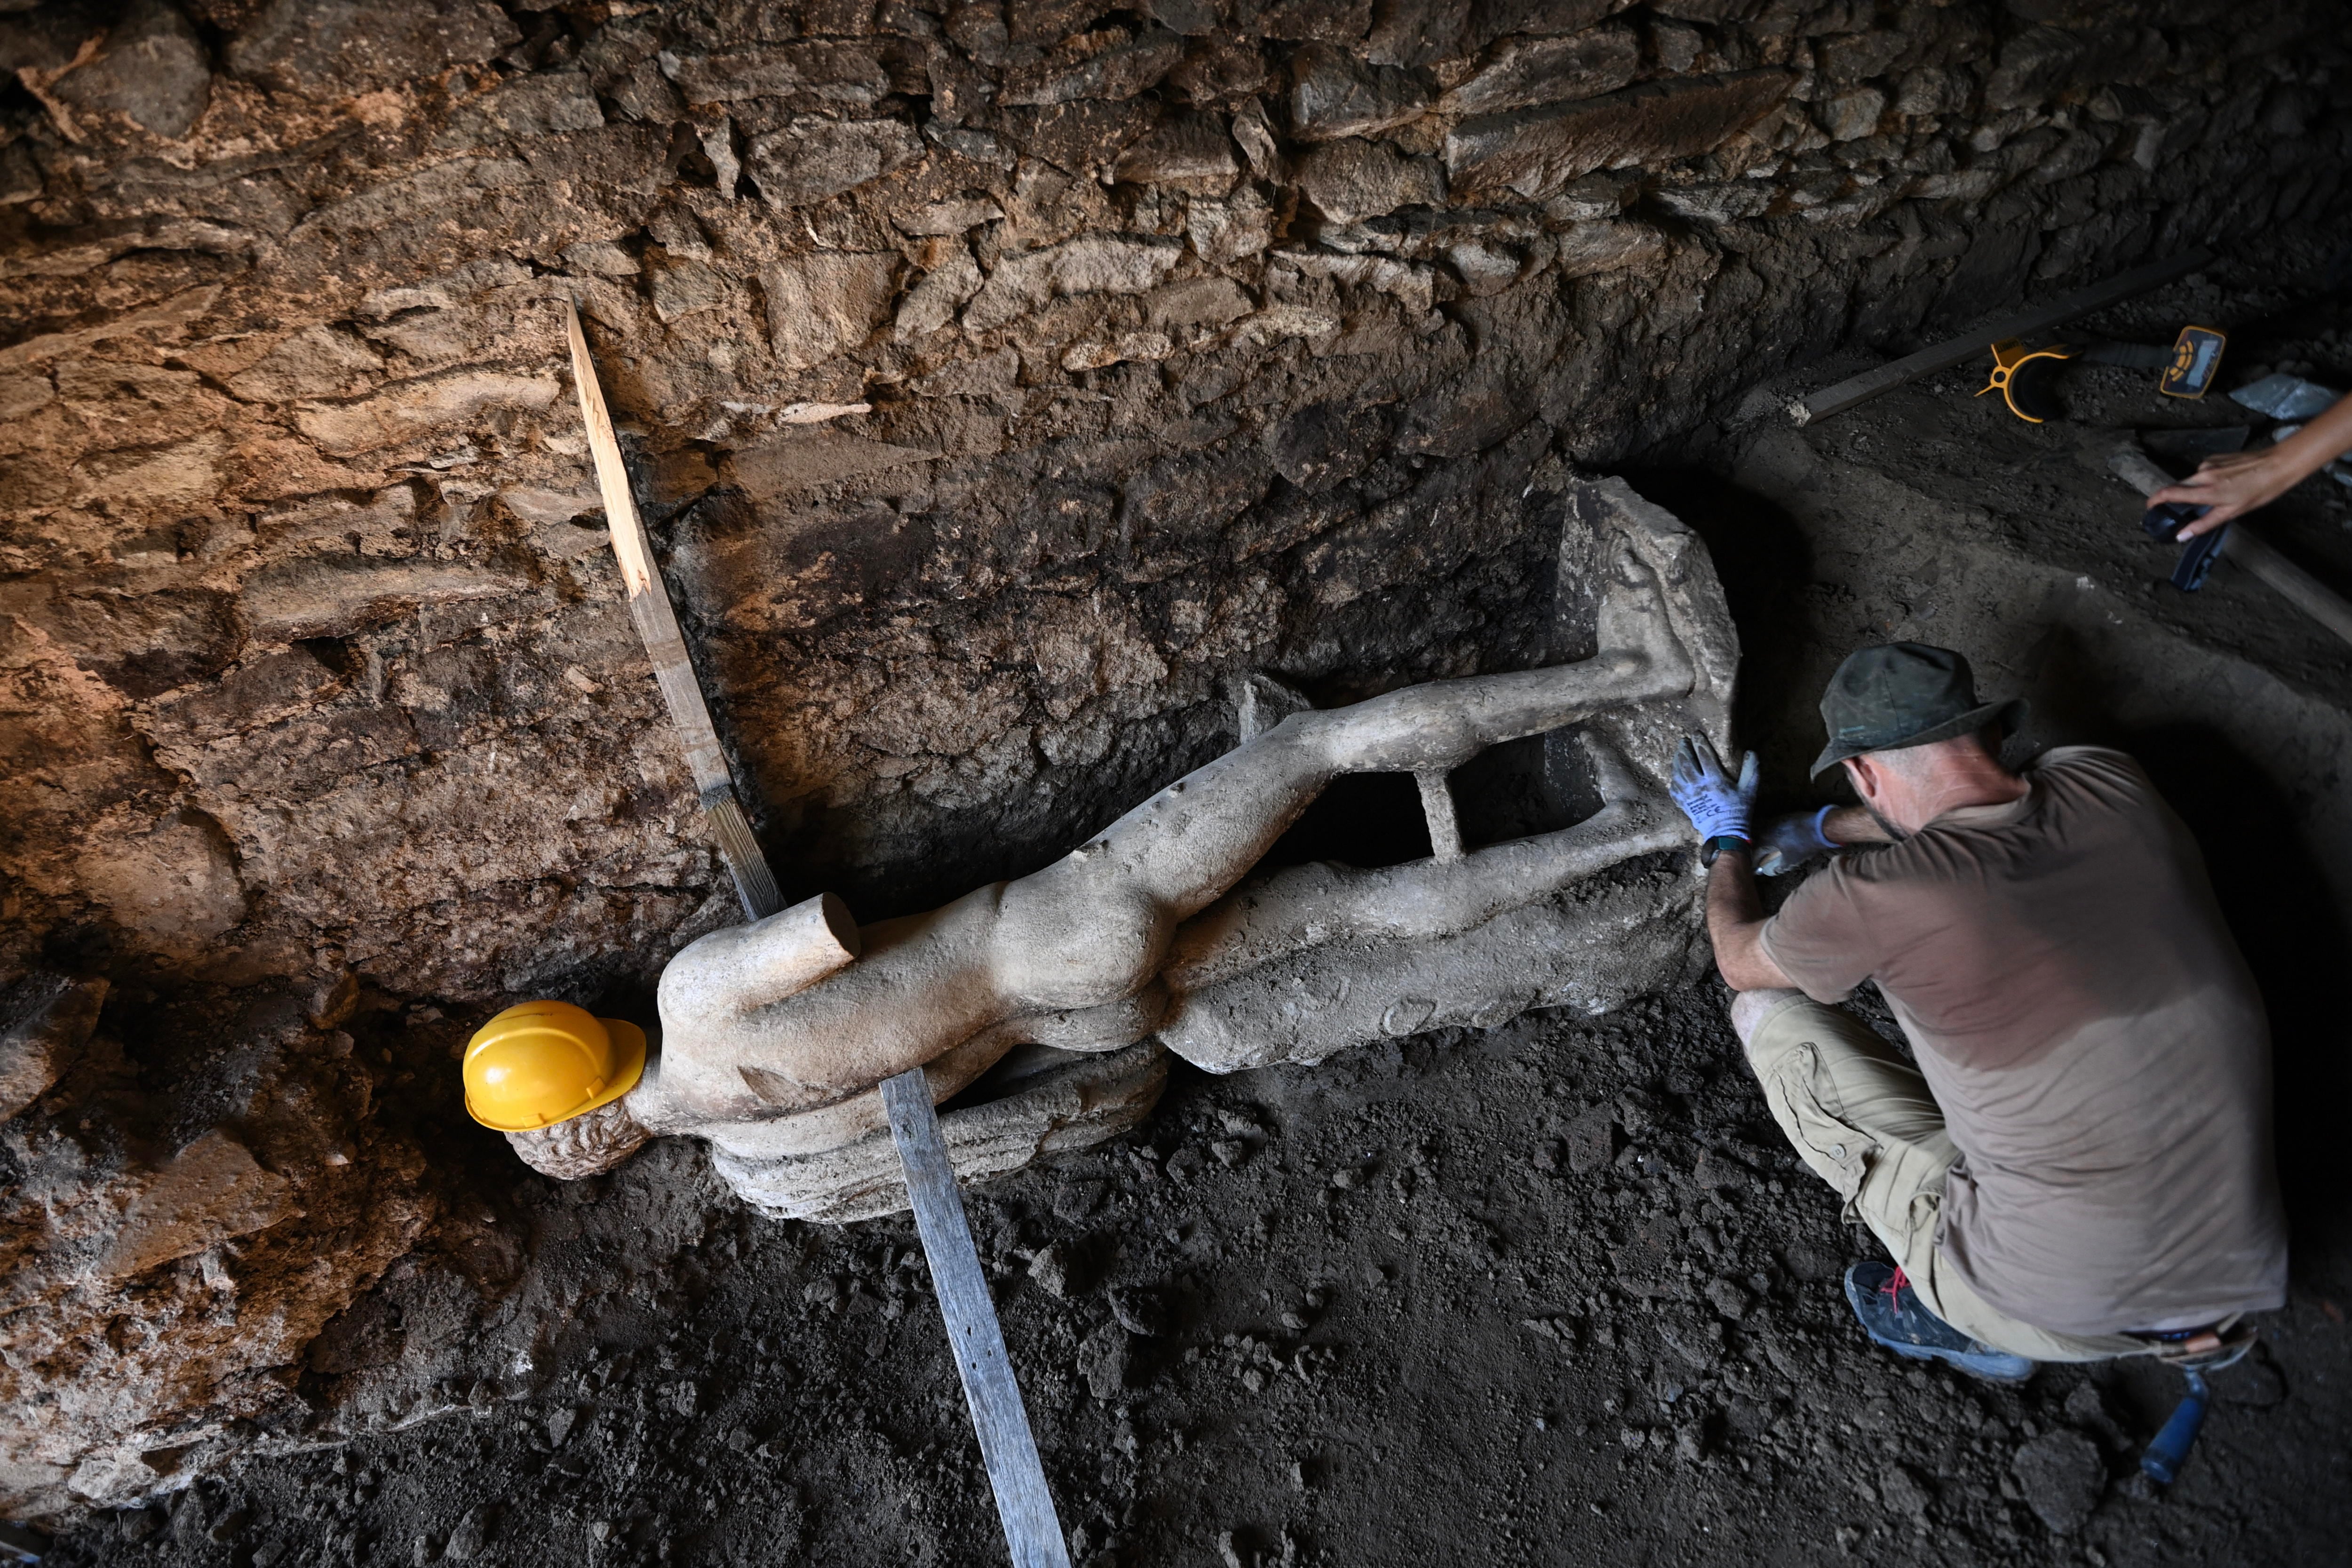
x=1048, y=1004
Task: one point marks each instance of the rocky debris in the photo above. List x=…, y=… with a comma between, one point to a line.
x=2063, y=1476
x=181, y=1228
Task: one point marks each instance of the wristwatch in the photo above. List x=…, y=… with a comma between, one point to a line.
x=1719, y=844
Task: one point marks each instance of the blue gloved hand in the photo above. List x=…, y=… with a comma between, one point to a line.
x=1716, y=805
x=1788, y=842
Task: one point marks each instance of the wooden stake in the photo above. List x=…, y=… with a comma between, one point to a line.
x=658, y=629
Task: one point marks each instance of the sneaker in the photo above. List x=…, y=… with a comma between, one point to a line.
x=1892, y=1316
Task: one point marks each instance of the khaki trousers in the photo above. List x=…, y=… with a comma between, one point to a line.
x=1863, y=1118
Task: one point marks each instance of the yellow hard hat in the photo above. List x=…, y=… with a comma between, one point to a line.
x=540, y=1063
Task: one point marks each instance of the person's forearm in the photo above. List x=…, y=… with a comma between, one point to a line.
x=1735, y=924
x=2327, y=437
x=1851, y=825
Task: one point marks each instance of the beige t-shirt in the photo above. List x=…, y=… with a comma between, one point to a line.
x=2092, y=1036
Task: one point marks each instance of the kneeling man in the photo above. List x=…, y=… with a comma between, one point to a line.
x=2080, y=1164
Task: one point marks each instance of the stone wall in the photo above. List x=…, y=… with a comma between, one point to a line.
x=1002, y=377
x=1004, y=380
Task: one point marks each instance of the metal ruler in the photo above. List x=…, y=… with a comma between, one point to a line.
x=1007, y=1448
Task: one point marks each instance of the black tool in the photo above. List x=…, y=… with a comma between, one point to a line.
x=2198, y=555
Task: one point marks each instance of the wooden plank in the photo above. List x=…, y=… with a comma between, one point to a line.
x=1024, y=1503
x=1861, y=388
x=658, y=629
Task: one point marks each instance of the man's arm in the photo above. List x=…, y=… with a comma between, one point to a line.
x=1734, y=922
x=1719, y=806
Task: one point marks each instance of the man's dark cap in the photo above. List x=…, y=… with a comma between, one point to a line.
x=1903, y=694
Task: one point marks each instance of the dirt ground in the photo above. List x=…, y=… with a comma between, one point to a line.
x=1554, y=1292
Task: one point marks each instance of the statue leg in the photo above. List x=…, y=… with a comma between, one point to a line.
x=1095, y=925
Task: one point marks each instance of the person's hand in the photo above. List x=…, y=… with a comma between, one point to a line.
x=2232, y=484
x=2235, y=483
x=1788, y=842
x=1718, y=805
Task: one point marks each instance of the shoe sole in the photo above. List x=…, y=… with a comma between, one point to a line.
x=1955, y=1361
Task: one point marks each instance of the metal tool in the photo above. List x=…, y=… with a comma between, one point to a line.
x=2027, y=379
x=1007, y=1448
x=1844, y=394
x=2169, y=1450
x=2197, y=554
x=2248, y=549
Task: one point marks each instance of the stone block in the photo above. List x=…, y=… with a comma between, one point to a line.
x=942, y=218
x=212, y=1191
x=826, y=301
x=1416, y=33
x=1114, y=63
x=2032, y=69
x=1351, y=180
x=1084, y=137
x=849, y=76
x=527, y=106
x=1187, y=147
x=1492, y=19
x=1317, y=21
x=935, y=298
x=152, y=70
x=331, y=595
x=1096, y=264
x=798, y=460
x=1850, y=59
x=1332, y=94
x=1521, y=72
x=813, y=157
x=1536, y=152
x=1196, y=302
x=1851, y=116
x=316, y=361
x=184, y=474
x=416, y=409
x=1045, y=21
x=683, y=287
x=1935, y=89
x=331, y=49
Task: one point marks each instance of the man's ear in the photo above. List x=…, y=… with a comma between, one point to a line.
x=1863, y=776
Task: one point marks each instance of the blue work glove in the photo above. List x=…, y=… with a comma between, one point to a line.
x=1788, y=842
x=1716, y=805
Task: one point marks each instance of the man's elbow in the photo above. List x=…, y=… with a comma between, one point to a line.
x=1745, y=966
